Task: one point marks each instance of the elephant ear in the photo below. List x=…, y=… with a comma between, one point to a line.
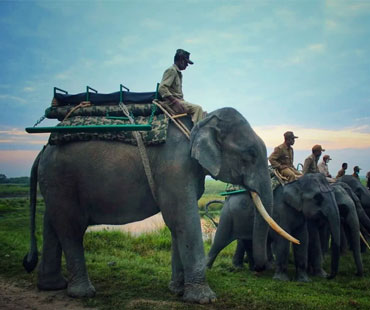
x=205, y=145
x=291, y=195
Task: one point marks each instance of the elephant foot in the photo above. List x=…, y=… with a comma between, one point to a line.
x=320, y=273
x=176, y=288
x=302, y=277
x=281, y=276
x=270, y=265
x=52, y=283
x=359, y=273
x=238, y=262
x=238, y=265
x=199, y=293
x=81, y=289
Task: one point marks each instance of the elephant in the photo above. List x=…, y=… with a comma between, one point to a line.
x=298, y=206
x=359, y=189
x=349, y=211
x=104, y=182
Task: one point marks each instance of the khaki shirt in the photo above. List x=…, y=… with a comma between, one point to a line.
x=323, y=168
x=282, y=157
x=310, y=165
x=341, y=173
x=171, y=84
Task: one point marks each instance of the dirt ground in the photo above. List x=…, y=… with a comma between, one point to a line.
x=22, y=296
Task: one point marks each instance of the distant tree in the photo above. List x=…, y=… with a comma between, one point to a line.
x=3, y=178
x=19, y=180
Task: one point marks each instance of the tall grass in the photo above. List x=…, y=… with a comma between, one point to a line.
x=131, y=272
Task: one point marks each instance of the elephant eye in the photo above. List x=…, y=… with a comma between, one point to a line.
x=318, y=198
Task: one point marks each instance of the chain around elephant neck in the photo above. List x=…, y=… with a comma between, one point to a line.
x=142, y=151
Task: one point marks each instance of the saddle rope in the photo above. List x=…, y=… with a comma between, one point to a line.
x=142, y=151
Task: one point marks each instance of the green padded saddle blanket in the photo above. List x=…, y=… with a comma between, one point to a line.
x=96, y=110
x=157, y=135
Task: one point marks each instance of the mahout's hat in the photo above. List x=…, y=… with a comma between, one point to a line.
x=290, y=134
x=182, y=53
x=318, y=147
x=356, y=168
x=327, y=157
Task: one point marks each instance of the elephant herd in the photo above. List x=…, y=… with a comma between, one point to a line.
x=312, y=210
x=104, y=182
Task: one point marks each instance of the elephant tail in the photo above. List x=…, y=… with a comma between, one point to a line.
x=31, y=258
x=207, y=214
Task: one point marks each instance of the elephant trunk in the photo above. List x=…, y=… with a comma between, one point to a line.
x=261, y=209
x=332, y=214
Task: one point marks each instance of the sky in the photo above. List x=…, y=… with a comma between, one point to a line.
x=299, y=65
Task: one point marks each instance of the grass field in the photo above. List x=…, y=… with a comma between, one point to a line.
x=133, y=272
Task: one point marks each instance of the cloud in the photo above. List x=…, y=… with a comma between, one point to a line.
x=305, y=54
x=353, y=138
x=16, y=99
x=17, y=137
x=28, y=89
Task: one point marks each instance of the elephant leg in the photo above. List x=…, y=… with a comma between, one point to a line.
x=324, y=239
x=315, y=257
x=343, y=240
x=248, y=245
x=354, y=238
x=49, y=270
x=223, y=238
x=300, y=255
x=238, y=258
x=281, y=249
x=70, y=226
x=176, y=284
x=184, y=223
x=270, y=256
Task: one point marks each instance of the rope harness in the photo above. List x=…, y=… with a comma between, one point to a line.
x=81, y=105
x=142, y=151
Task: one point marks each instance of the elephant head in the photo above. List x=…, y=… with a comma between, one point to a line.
x=312, y=196
x=360, y=190
x=228, y=149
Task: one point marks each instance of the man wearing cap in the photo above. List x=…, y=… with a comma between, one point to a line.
x=310, y=163
x=323, y=166
x=170, y=88
x=356, y=171
x=282, y=158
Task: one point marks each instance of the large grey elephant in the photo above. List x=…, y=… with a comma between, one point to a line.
x=349, y=220
x=359, y=189
x=298, y=206
x=103, y=182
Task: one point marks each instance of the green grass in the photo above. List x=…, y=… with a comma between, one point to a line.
x=14, y=190
x=133, y=272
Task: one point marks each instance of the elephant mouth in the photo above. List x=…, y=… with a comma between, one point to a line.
x=261, y=209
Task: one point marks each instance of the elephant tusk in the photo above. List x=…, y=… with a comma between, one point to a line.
x=259, y=205
x=364, y=240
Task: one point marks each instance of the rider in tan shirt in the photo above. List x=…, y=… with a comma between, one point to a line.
x=170, y=88
x=282, y=158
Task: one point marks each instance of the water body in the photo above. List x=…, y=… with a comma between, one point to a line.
x=152, y=224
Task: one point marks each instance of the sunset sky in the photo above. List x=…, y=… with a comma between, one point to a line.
x=285, y=65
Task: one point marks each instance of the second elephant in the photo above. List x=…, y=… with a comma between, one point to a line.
x=309, y=199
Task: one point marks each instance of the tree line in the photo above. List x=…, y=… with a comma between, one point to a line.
x=19, y=180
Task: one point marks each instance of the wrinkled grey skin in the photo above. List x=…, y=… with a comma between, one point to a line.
x=350, y=220
x=360, y=190
x=352, y=217
x=237, y=221
x=102, y=182
x=308, y=199
x=363, y=194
